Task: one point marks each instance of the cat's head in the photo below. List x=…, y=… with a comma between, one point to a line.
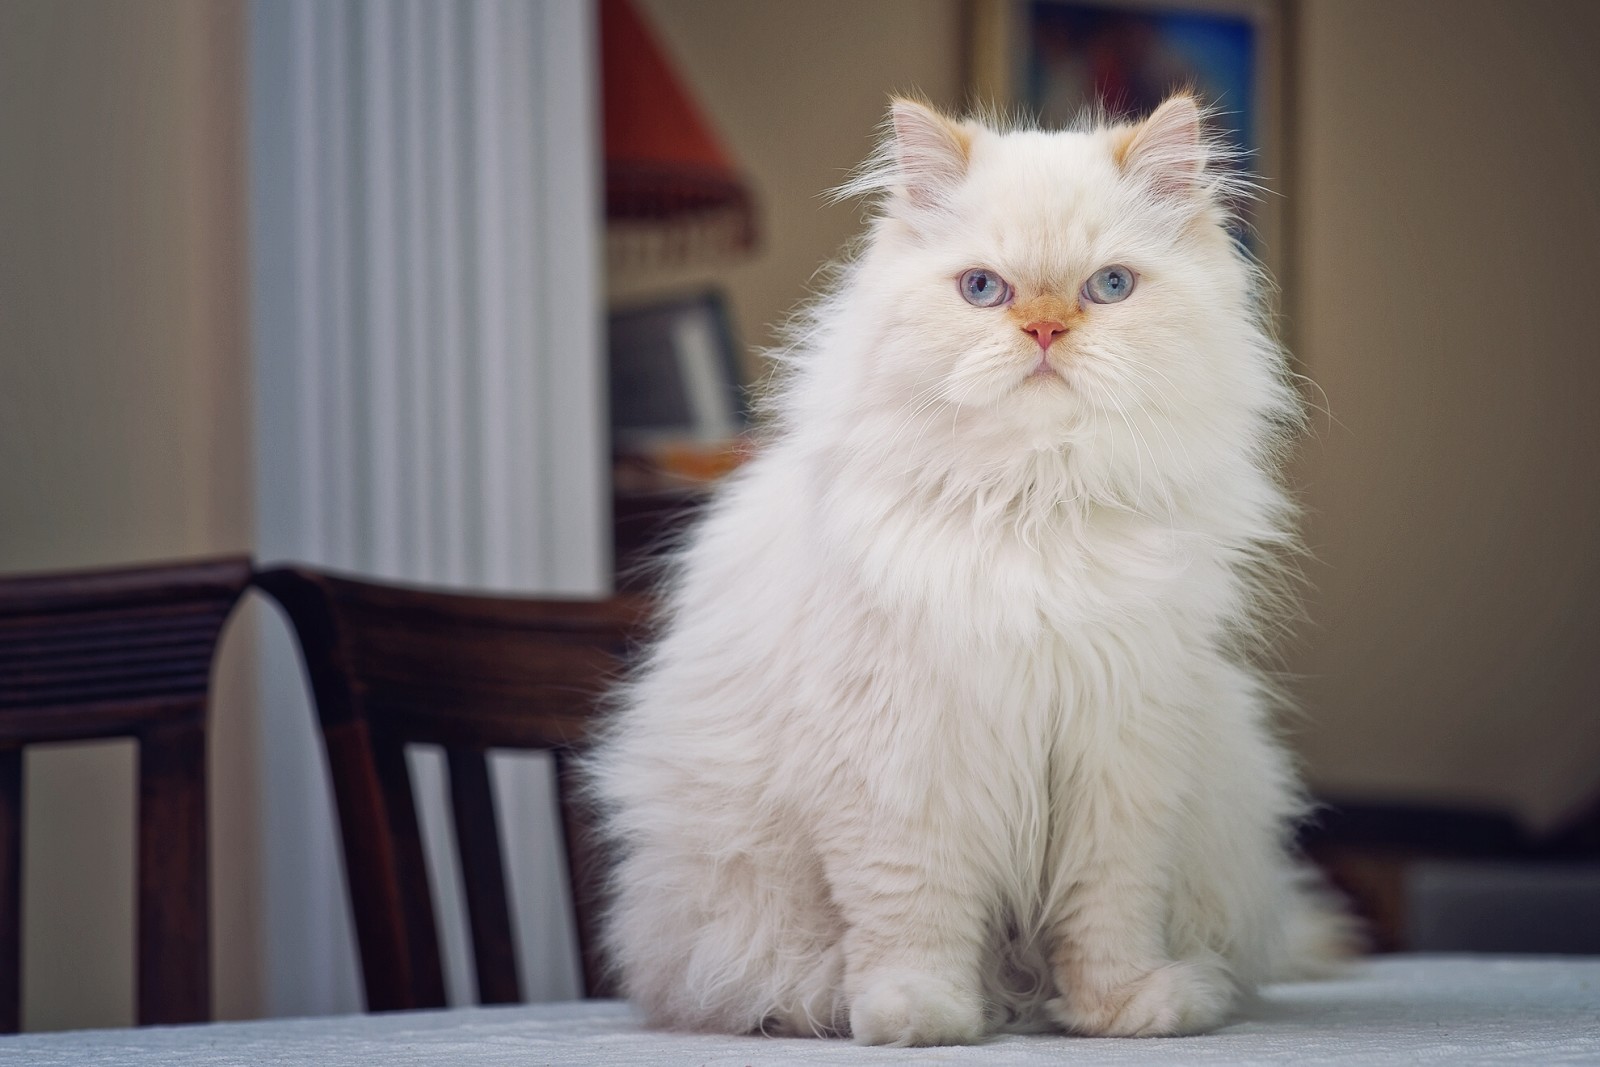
x=1059, y=287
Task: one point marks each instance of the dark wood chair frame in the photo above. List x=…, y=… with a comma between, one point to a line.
x=121, y=653
x=391, y=666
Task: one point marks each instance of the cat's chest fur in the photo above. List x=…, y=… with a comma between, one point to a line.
x=1021, y=562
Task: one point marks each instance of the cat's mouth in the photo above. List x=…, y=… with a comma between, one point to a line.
x=1045, y=370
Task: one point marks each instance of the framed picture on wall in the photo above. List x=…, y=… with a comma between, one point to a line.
x=1057, y=59
x=674, y=373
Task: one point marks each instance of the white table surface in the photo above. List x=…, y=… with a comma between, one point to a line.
x=1399, y=1010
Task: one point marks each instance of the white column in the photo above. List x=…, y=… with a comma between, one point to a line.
x=430, y=387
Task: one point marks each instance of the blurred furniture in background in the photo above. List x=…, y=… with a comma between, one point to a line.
x=1457, y=879
x=645, y=528
x=391, y=666
x=121, y=653
x=675, y=198
x=680, y=420
x=673, y=194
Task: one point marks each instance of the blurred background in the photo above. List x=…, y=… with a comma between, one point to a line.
x=335, y=281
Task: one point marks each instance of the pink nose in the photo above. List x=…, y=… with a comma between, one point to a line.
x=1045, y=332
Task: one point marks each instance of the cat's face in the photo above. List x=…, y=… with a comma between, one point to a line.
x=1048, y=285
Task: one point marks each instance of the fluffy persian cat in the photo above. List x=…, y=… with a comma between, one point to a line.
x=951, y=725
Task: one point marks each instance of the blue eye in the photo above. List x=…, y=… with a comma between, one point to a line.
x=983, y=288
x=1109, y=284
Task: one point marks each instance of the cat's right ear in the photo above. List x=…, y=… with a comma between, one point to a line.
x=1168, y=150
x=930, y=154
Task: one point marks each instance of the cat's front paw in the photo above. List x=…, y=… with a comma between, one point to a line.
x=906, y=1008
x=1168, y=1001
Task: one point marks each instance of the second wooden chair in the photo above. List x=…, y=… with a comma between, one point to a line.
x=390, y=666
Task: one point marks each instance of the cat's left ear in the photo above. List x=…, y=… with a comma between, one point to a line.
x=930, y=153
x=1168, y=149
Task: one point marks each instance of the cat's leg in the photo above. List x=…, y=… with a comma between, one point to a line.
x=746, y=944
x=1240, y=891
x=1115, y=970
x=915, y=922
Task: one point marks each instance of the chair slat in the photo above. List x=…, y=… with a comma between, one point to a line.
x=410, y=870
x=10, y=890
x=174, y=944
x=483, y=877
x=374, y=887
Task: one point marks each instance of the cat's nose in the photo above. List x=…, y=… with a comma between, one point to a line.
x=1045, y=332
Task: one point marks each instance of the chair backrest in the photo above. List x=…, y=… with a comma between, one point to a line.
x=121, y=653
x=390, y=666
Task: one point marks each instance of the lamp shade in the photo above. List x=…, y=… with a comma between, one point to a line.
x=668, y=178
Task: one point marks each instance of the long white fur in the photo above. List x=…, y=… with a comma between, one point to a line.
x=950, y=724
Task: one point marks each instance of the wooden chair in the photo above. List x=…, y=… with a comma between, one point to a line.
x=121, y=653
x=391, y=666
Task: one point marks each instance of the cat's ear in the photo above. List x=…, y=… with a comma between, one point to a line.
x=1167, y=150
x=930, y=153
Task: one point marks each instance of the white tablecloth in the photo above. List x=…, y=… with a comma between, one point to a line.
x=1399, y=1010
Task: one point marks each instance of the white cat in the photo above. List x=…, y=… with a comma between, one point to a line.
x=951, y=724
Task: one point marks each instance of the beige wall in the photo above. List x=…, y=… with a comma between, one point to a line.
x=1447, y=261
x=123, y=424
x=1443, y=277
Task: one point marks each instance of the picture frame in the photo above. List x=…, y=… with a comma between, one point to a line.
x=1021, y=62
x=674, y=373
